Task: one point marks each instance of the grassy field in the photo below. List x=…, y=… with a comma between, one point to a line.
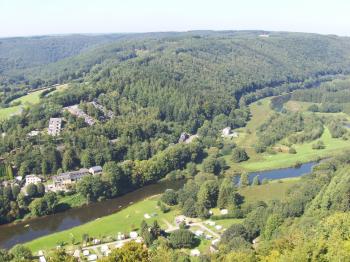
x=126, y=220
x=27, y=100
x=275, y=190
x=304, y=154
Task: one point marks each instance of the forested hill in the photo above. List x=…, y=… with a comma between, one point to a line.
x=230, y=60
x=21, y=53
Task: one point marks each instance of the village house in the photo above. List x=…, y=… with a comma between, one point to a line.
x=75, y=110
x=67, y=178
x=54, y=126
x=227, y=132
x=32, y=179
x=95, y=170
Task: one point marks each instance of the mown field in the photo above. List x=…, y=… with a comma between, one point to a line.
x=27, y=100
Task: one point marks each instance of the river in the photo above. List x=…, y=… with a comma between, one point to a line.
x=12, y=234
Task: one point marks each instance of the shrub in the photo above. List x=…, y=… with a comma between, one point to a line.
x=182, y=238
x=169, y=197
x=239, y=155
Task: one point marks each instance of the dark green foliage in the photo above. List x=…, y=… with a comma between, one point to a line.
x=239, y=155
x=182, y=238
x=21, y=253
x=169, y=197
x=189, y=208
x=236, y=230
x=228, y=195
x=318, y=145
x=214, y=165
x=208, y=194
x=244, y=180
x=32, y=190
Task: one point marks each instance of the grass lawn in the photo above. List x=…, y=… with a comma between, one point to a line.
x=75, y=200
x=125, y=220
x=27, y=100
x=275, y=190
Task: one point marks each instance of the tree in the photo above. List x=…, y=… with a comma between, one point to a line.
x=191, y=169
x=189, y=208
x=87, y=159
x=256, y=181
x=61, y=255
x=32, y=190
x=21, y=253
x=239, y=155
x=182, y=238
x=92, y=187
x=208, y=194
x=202, y=211
x=5, y=256
x=236, y=230
x=69, y=159
x=40, y=189
x=131, y=251
x=244, y=181
x=272, y=223
x=228, y=195
x=169, y=197
x=15, y=191
x=38, y=207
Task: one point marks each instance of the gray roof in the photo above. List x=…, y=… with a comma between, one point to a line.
x=96, y=168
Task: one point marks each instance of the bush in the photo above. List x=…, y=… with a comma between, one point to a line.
x=182, y=238
x=164, y=208
x=292, y=150
x=239, y=155
x=318, y=145
x=169, y=197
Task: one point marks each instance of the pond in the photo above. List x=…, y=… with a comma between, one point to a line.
x=281, y=173
x=12, y=234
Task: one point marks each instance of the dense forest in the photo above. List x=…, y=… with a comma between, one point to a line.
x=159, y=86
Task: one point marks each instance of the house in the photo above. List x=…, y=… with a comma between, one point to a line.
x=76, y=111
x=68, y=178
x=95, y=170
x=226, y=131
x=54, y=126
x=32, y=179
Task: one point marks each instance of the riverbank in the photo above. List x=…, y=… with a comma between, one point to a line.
x=129, y=219
x=25, y=231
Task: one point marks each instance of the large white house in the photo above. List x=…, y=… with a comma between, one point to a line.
x=55, y=126
x=32, y=179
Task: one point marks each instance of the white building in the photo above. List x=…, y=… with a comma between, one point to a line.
x=32, y=179
x=95, y=170
x=55, y=126
x=226, y=131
